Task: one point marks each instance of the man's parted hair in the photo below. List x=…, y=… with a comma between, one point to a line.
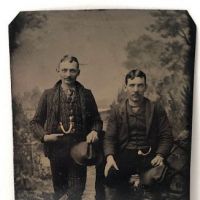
x=70, y=59
x=135, y=73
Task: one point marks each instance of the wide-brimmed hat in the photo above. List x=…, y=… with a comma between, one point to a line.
x=154, y=175
x=85, y=153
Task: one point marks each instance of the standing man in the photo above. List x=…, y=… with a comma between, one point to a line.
x=66, y=115
x=138, y=135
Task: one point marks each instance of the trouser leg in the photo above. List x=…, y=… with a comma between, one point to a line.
x=144, y=163
x=68, y=178
x=153, y=190
x=59, y=170
x=100, y=165
x=76, y=180
x=117, y=186
x=100, y=182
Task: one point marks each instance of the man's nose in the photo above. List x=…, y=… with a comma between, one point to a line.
x=135, y=88
x=67, y=73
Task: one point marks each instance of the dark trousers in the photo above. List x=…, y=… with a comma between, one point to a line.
x=68, y=178
x=100, y=182
x=129, y=163
x=100, y=178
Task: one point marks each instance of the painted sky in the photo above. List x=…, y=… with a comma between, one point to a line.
x=97, y=38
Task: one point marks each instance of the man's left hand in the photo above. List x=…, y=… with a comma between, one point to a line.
x=157, y=160
x=92, y=137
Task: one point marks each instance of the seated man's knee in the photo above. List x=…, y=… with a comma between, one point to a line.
x=113, y=177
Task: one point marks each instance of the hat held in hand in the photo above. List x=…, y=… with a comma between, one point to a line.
x=85, y=153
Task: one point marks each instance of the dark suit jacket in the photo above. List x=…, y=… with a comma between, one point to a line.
x=45, y=117
x=158, y=130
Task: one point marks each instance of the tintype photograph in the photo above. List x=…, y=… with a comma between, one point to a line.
x=102, y=104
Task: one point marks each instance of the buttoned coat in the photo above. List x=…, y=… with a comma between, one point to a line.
x=158, y=130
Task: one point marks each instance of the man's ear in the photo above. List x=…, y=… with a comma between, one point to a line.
x=78, y=72
x=125, y=87
x=146, y=86
x=57, y=69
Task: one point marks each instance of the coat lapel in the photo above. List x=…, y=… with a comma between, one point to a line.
x=82, y=96
x=54, y=104
x=149, y=114
x=124, y=118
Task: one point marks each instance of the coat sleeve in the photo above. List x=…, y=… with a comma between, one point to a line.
x=110, y=139
x=39, y=119
x=165, y=133
x=97, y=123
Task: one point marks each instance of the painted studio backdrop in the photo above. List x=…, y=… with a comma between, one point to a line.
x=108, y=44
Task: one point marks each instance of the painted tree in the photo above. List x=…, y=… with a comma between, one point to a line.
x=179, y=28
x=166, y=55
x=24, y=20
x=31, y=98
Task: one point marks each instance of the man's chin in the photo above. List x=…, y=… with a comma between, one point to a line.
x=136, y=100
x=67, y=82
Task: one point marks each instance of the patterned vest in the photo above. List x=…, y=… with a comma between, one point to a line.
x=70, y=107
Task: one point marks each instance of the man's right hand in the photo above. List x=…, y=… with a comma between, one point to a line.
x=110, y=163
x=53, y=137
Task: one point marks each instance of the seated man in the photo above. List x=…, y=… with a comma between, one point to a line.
x=138, y=135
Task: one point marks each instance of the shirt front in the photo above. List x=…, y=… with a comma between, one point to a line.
x=137, y=128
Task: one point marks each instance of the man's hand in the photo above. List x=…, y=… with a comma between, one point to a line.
x=110, y=163
x=53, y=137
x=157, y=160
x=92, y=137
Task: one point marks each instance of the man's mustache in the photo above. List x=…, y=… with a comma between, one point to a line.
x=68, y=78
x=135, y=95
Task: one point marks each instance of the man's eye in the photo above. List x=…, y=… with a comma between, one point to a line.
x=73, y=70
